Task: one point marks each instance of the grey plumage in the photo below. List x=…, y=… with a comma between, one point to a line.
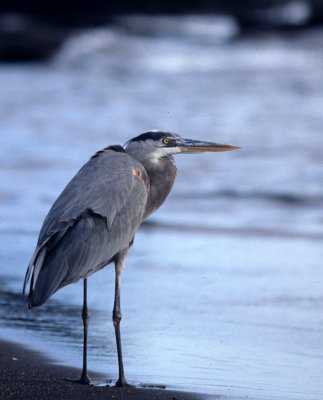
x=94, y=220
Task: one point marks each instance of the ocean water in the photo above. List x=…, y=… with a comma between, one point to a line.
x=222, y=292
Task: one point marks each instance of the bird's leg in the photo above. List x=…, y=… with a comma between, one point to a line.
x=85, y=316
x=116, y=317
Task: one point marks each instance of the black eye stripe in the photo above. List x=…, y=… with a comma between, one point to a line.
x=155, y=135
x=149, y=135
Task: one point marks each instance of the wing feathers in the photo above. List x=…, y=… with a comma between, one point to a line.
x=102, y=185
x=94, y=218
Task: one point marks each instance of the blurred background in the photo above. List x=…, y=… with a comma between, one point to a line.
x=222, y=291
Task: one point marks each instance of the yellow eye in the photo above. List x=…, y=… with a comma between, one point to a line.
x=165, y=141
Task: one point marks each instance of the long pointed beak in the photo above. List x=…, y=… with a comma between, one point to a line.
x=197, y=146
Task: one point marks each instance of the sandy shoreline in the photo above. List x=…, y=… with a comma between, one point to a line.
x=25, y=374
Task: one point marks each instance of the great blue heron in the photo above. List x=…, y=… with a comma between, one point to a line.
x=94, y=220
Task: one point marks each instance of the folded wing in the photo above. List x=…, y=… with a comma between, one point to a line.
x=94, y=218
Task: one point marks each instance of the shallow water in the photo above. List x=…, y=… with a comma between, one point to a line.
x=222, y=290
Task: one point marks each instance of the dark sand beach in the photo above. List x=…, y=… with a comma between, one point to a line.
x=25, y=374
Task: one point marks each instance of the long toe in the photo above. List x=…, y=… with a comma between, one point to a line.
x=85, y=380
x=82, y=380
x=121, y=382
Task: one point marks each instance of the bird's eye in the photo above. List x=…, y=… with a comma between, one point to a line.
x=165, y=141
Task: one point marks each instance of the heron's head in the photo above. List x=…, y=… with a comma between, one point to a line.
x=155, y=145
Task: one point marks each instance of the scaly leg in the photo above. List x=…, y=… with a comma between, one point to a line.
x=85, y=316
x=116, y=316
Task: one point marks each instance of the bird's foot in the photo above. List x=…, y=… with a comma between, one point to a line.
x=84, y=380
x=121, y=382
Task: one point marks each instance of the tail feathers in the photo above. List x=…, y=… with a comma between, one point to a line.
x=47, y=281
x=29, y=270
x=38, y=263
x=37, y=266
x=34, y=267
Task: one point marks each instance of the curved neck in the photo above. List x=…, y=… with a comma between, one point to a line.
x=162, y=177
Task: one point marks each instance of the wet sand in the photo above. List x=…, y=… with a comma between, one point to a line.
x=25, y=374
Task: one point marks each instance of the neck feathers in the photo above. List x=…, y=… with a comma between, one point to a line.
x=162, y=177
x=161, y=170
